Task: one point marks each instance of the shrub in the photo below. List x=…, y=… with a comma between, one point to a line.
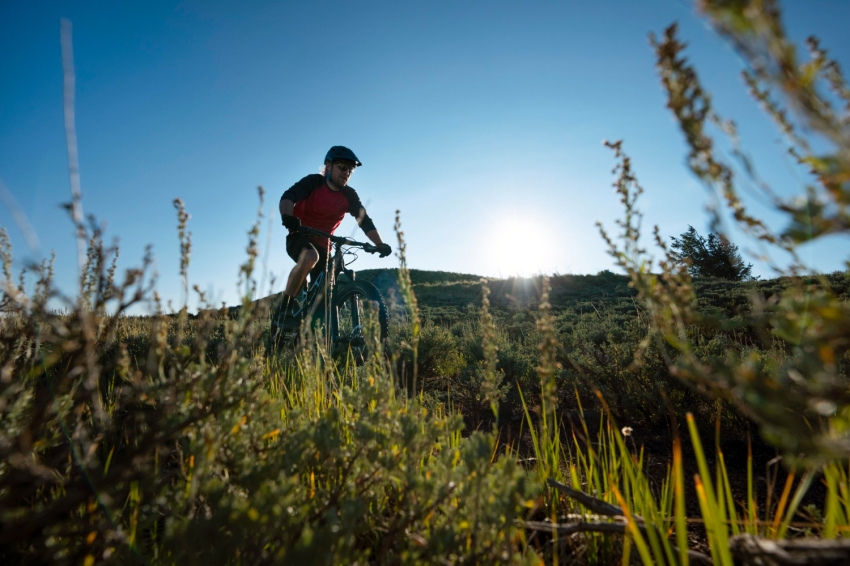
x=123, y=439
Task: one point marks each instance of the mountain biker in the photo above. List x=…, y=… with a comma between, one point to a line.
x=320, y=201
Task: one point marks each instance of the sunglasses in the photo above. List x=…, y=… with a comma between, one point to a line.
x=345, y=165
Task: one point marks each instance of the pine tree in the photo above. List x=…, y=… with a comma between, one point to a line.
x=714, y=256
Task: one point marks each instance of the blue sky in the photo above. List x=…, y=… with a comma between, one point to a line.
x=481, y=121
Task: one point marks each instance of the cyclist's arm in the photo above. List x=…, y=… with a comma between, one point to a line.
x=375, y=237
x=299, y=191
x=355, y=209
x=286, y=207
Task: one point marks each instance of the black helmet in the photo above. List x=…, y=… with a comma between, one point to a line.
x=341, y=152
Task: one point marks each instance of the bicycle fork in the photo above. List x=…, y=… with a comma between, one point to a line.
x=357, y=326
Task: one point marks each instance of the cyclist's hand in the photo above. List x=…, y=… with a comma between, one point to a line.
x=384, y=250
x=291, y=222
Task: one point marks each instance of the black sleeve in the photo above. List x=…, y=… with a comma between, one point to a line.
x=303, y=188
x=356, y=210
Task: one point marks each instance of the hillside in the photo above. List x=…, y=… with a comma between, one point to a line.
x=446, y=290
x=443, y=289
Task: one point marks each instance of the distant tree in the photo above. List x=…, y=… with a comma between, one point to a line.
x=714, y=256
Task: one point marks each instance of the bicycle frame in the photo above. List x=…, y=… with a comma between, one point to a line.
x=320, y=291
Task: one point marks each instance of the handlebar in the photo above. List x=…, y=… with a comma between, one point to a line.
x=368, y=248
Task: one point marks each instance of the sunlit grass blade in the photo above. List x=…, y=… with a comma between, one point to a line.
x=831, y=511
x=634, y=530
x=719, y=552
x=627, y=550
x=108, y=461
x=532, y=430
x=802, y=488
x=843, y=499
x=752, y=504
x=731, y=514
x=715, y=524
x=679, y=504
x=780, y=508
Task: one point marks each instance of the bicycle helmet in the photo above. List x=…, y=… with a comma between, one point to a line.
x=342, y=152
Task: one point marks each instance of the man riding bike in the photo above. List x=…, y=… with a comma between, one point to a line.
x=320, y=201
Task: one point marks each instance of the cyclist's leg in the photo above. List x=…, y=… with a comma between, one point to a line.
x=321, y=265
x=306, y=257
x=307, y=260
x=285, y=315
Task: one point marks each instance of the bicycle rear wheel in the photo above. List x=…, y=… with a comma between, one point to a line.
x=360, y=321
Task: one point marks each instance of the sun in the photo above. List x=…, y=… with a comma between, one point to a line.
x=519, y=245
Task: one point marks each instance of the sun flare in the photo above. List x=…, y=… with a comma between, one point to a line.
x=519, y=246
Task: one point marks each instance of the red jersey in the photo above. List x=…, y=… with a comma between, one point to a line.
x=317, y=206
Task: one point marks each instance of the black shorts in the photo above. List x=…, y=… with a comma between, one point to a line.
x=296, y=243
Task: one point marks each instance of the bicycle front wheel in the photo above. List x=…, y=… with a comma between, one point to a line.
x=360, y=321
